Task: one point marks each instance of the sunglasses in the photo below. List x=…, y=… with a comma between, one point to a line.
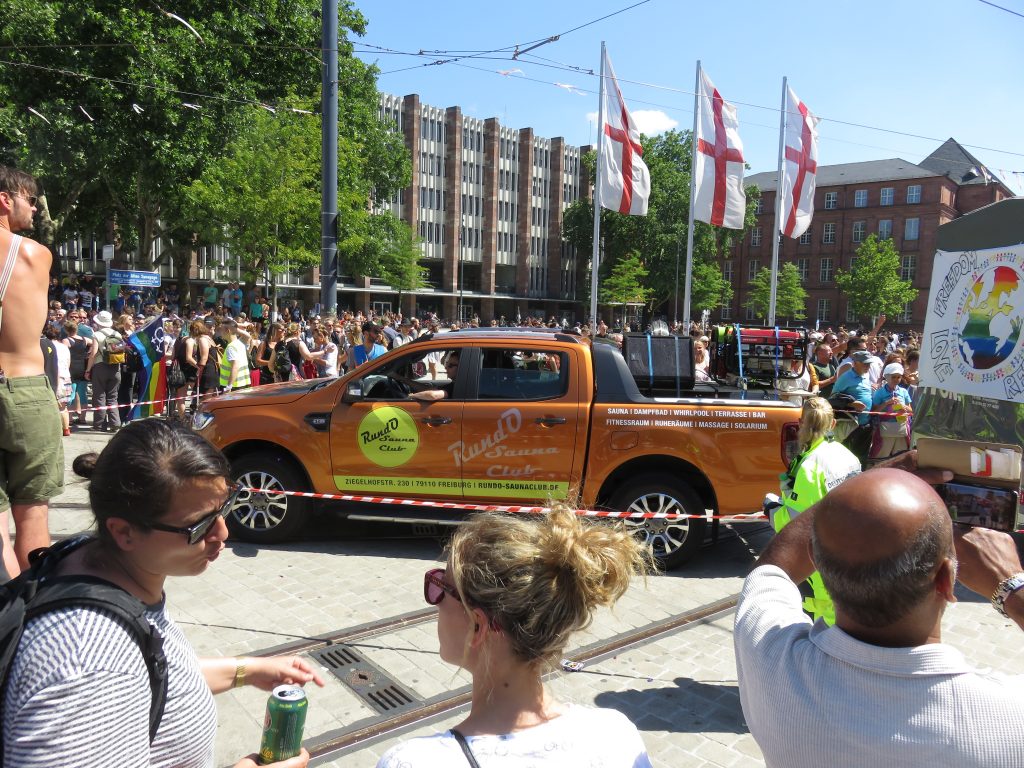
x=30, y=199
x=435, y=587
x=197, y=531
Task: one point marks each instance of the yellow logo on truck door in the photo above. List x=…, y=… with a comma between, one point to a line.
x=388, y=436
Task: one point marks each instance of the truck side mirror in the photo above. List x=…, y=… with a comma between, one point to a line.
x=353, y=393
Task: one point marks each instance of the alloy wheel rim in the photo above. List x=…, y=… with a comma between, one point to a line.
x=261, y=505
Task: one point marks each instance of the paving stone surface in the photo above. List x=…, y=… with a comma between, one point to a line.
x=679, y=688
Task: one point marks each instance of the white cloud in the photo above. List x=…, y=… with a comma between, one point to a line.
x=651, y=122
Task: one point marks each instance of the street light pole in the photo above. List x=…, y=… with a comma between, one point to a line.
x=329, y=155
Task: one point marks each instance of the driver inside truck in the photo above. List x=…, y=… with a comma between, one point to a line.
x=451, y=368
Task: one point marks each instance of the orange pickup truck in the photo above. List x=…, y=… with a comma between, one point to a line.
x=524, y=417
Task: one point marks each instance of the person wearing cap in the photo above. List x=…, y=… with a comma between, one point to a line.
x=371, y=348
x=854, y=382
x=104, y=371
x=405, y=334
x=894, y=400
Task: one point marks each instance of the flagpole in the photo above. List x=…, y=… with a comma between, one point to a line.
x=595, y=255
x=777, y=231
x=678, y=247
x=693, y=195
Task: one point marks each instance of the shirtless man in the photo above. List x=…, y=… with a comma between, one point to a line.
x=31, y=454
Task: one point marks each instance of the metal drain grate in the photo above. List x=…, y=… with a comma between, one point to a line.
x=368, y=681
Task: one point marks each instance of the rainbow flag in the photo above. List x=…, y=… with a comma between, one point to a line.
x=148, y=342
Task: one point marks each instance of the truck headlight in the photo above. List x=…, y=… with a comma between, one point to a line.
x=201, y=420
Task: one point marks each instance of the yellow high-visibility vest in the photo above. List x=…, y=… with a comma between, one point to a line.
x=815, y=472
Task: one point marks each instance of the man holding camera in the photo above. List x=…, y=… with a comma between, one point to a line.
x=878, y=688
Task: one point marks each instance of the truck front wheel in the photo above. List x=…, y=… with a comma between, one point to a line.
x=673, y=541
x=262, y=514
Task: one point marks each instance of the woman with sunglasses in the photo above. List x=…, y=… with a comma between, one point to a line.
x=513, y=590
x=79, y=692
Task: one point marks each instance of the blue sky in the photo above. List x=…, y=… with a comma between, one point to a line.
x=935, y=68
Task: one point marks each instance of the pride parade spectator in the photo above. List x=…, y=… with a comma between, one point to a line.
x=512, y=591
x=879, y=687
x=79, y=692
x=31, y=451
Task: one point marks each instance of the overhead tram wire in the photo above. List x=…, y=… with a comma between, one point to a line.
x=149, y=86
x=1001, y=8
x=517, y=46
x=562, y=66
x=689, y=111
x=253, y=102
x=823, y=118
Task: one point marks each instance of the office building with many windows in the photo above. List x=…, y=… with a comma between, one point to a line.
x=891, y=198
x=486, y=202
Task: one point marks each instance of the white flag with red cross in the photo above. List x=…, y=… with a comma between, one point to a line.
x=625, y=182
x=718, y=161
x=799, y=168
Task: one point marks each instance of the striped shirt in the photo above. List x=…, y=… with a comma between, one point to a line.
x=79, y=695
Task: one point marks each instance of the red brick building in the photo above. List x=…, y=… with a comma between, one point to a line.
x=890, y=198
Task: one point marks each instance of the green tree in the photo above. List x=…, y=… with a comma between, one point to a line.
x=136, y=104
x=708, y=288
x=626, y=283
x=260, y=197
x=661, y=235
x=872, y=285
x=384, y=247
x=790, y=296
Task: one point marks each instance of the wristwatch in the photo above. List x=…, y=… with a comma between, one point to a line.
x=1006, y=588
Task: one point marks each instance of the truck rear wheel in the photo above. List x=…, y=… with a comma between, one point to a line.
x=673, y=541
x=262, y=514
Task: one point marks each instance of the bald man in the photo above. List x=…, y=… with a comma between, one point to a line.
x=878, y=688
x=31, y=454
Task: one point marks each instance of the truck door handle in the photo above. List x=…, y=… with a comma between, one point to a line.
x=549, y=421
x=436, y=421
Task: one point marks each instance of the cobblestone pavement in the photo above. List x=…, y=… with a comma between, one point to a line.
x=679, y=688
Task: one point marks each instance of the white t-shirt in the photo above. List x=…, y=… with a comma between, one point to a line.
x=583, y=737
x=331, y=359
x=63, y=369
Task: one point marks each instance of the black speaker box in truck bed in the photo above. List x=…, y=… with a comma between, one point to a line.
x=663, y=363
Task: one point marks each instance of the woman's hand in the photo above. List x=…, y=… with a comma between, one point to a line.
x=252, y=761
x=267, y=673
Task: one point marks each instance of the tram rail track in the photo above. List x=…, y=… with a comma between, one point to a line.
x=340, y=742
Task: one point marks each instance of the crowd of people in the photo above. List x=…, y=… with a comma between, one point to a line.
x=871, y=682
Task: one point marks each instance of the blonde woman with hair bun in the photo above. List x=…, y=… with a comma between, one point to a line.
x=513, y=591
x=822, y=465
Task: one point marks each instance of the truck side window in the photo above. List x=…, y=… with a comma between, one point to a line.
x=407, y=373
x=518, y=374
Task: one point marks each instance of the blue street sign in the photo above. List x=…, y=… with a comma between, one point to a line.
x=134, y=278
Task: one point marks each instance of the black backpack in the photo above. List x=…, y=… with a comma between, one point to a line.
x=37, y=591
x=283, y=362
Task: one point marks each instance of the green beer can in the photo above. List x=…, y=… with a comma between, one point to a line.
x=282, y=728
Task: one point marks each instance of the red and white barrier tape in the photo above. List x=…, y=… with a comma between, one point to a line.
x=140, y=402
x=511, y=508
